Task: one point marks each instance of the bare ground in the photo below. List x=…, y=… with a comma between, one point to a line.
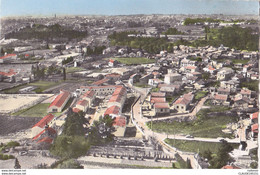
x=12, y=124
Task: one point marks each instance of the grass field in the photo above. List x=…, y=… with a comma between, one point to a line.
x=74, y=69
x=41, y=86
x=130, y=61
x=204, y=126
x=39, y=110
x=200, y=95
x=236, y=61
x=195, y=146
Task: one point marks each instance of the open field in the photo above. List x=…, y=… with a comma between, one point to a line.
x=39, y=110
x=195, y=146
x=138, y=60
x=15, y=123
x=13, y=102
x=200, y=95
x=74, y=69
x=203, y=126
x=41, y=86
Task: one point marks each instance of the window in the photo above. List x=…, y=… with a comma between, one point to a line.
x=182, y=107
x=161, y=110
x=54, y=110
x=177, y=107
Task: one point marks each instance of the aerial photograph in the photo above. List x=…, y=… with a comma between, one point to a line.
x=129, y=84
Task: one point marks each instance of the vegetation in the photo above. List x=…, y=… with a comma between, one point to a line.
x=38, y=110
x=233, y=37
x=69, y=164
x=189, y=21
x=6, y=157
x=205, y=76
x=97, y=50
x=196, y=146
x=47, y=33
x=41, y=86
x=141, y=85
x=250, y=84
x=137, y=60
x=151, y=45
x=101, y=131
x=221, y=158
x=77, y=137
x=74, y=69
x=236, y=61
x=203, y=126
x=66, y=61
x=200, y=95
x=173, y=31
x=182, y=164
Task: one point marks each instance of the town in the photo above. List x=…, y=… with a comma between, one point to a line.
x=137, y=91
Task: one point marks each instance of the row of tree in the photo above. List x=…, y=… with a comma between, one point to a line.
x=48, y=33
x=77, y=136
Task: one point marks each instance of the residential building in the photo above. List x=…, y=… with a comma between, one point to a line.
x=162, y=108
x=183, y=103
x=170, y=78
x=225, y=73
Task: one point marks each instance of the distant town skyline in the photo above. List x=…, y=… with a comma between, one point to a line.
x=126, y=7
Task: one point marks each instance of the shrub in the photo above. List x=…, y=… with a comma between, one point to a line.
x=12, y=144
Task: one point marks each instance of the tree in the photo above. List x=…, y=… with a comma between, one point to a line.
x=222, y=157
x=64, y=73
x=101, y=131
x=188, y=164
x=207, y=154
x=17, y=164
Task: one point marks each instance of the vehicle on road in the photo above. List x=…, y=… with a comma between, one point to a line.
x=189, y=136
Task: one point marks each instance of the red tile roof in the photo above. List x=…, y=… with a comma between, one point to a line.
x=185, y=100
x=60, y=99
x=220, y=97
x=112, y=75
x=112, y=110
x=157, y=94
x=115, y=98
x=157, y=100
x=46, y=120
x=46, y=140
x=112, y=61
x=8, y=74
x=211, y=68
x=89, y=94
x=254, y=115
x=245, y=91
x=49, y=129
x=190, y=67
x=230, y=167
x=119, y=91
x=255, y=128
x=7, y=56
x=120, y=121
x=162, y=105
x=100, y=82
x=76, y=110
x=82, y=102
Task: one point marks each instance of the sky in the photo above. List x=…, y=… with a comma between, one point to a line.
x=126, y=7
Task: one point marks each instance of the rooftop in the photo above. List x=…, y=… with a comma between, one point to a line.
x=60, y=99
x=162, y=105
x=46, y=120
